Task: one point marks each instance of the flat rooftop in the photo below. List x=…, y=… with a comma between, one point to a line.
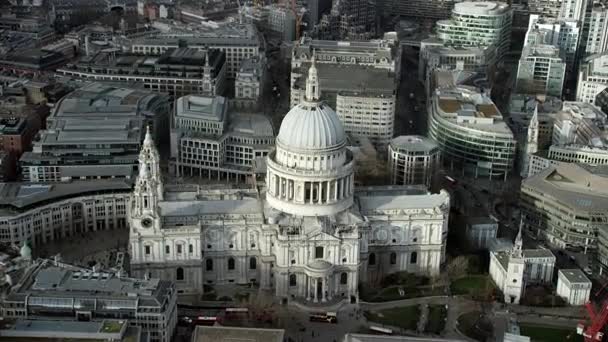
x=349, y=79
x=201, y=107
x=258, y=125
x=467, y=107
x=50, y=284
x=382, y=338
x=232, y=334
x=21, y=195
x=575, y=276
x=413, y=143
x=571, y=185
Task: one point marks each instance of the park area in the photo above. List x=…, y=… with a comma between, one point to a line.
x=549, y=334
x=477, y=286
x=400, y=285
x=476, y=326
x=404, y=317
x=436, y=319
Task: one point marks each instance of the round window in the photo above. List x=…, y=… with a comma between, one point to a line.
x=146, y=223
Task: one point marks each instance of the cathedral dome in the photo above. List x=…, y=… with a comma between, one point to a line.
x=311, y=126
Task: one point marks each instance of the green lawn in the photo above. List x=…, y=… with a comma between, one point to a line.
x=112, y=326
x=392, y=293
x=472, y=285
x=550, y=334
x=404, y=317
x=436, y=320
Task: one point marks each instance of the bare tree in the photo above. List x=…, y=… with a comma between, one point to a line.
x=458, y=267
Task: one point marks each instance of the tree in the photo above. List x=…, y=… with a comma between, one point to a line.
x=458, y=267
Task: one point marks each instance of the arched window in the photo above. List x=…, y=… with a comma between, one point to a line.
x=209, y=264
x=413, y=258
x=179, y=275
x=343, y=278
x=372, y=259
x=393, y=258
x=292, y=280
x=231, y=263
x=252, y=263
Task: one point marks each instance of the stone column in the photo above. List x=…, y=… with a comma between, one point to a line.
x=321, y=190
x=307, y=283
x=316, y=299
x=327, y=194
x=330, y=287
x=323, y=289
x=335, y=190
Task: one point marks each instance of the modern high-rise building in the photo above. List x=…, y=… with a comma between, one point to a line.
x=592, y=78
x=561, y=33
x=597, y=25
x=212, y=141
x=541, y=71
x=478, y=24
x=414, y=159
x=349, y=20
x=95, y=132
x=316, y=9
x=471, y=132
x=566, y=206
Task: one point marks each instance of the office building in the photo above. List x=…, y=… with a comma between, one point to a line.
x=44, y=213
x=417, y=9
x=561, y=33
x=26, y=330
x=15, y=138
x=379, y=54
x=237, y=41
x=316, y=9
x=53, y=290
x=364, y=97
x=348, y=20
x=592, y=78
x=281, y=20
x=574, y=286
x=435, y=55
x=565, y=206
x=541, y=71
x=575, y=9
x=579, y=123
x=94, y=132
x=546, y=8
x=478, y=24
x=481, y=231
x=471, y=132
x=597, y=22
x=300, y=234
x=414, y=159
x=178, y=72
x=514, y=269
x=209, y=140
x=227, y=334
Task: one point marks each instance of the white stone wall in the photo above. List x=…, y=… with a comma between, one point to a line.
x=573, y=294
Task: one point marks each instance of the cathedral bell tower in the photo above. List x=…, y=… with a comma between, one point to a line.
x=148, y=191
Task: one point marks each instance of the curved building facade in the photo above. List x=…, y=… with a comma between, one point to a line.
x=42, y=213
x=482, y=23
x=413, y=159
x=471, y=132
